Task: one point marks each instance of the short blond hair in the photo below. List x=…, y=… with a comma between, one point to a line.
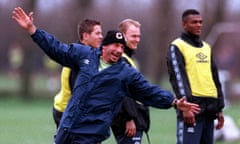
x=123, y=25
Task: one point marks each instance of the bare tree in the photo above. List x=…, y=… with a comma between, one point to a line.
x=157, y=42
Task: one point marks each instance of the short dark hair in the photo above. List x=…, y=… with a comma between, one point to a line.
x=189, y=12
x=86, y=26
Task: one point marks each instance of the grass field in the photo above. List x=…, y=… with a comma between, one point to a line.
x=31, y=123
x=26, y=122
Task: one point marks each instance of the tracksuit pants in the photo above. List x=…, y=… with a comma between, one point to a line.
x=200, y=133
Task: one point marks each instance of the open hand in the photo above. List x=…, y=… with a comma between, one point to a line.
x=24, y=20
x=185, y=106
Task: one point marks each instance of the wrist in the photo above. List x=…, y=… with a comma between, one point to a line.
x=32, y=29
x=174, y=103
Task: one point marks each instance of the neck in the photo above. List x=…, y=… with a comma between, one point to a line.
x=128, y=51
x=192, y=39
x=103, y=60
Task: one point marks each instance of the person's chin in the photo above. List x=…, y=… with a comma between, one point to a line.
x=133, y=48
x=114, y=60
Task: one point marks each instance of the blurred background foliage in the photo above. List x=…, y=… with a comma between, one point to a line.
x=26, y=73
x=24, y=65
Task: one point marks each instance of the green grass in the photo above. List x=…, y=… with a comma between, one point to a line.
x=163, y=126
x=31, y=123
x=26, y=122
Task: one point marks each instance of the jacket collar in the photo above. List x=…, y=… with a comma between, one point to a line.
x=191, y=39
x=128, y=51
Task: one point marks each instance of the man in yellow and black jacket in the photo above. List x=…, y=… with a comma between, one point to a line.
x=193, y=73
x=90, y=34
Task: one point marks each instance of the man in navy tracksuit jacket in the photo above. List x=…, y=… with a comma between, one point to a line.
x=104, y=80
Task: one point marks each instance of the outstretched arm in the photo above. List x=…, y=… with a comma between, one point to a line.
x=24, y=20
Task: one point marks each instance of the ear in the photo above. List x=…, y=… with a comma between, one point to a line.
x=124, y=36
x=103, y=47
x=183, y=25
x=85, y=35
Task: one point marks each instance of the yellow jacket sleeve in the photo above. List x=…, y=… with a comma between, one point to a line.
x=62, y=98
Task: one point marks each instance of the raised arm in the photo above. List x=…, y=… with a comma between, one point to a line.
x=65, y=54
x=25, y=21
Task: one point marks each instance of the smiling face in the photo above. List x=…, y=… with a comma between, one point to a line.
x=90, y=32
x=94, y=38
x=132, y=36
x=193, y=24
x=111, y=53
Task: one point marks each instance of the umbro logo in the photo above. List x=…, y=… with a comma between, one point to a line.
x=201, y=57
x=86, y=61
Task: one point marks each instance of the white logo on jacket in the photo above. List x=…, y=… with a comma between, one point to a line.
x=86, y=61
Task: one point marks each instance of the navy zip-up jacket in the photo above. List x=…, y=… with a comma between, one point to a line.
x=97, y=95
